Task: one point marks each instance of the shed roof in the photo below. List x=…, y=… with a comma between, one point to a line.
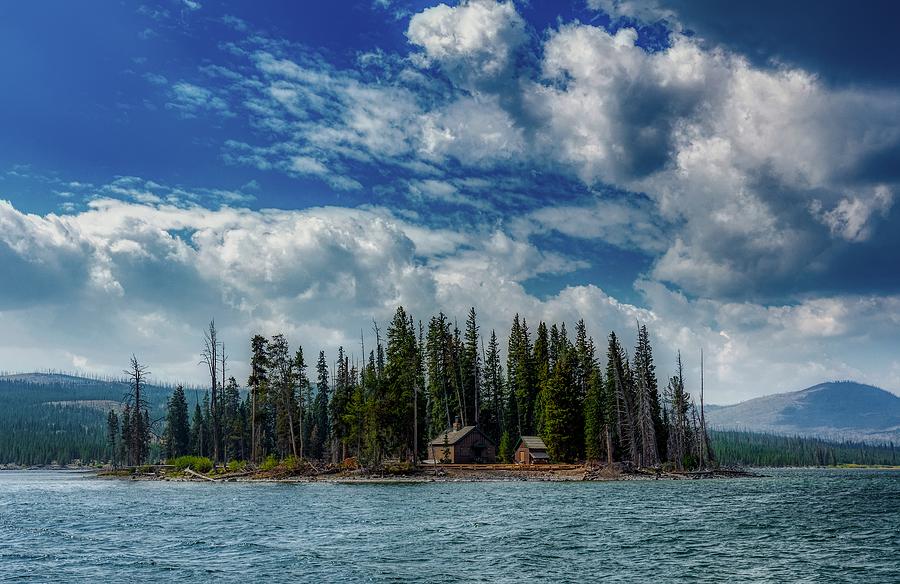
x=541, y=454
x=453, y=436
x=532, y=443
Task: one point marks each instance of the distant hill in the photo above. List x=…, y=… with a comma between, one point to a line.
x=55, y=418
x=842, y=410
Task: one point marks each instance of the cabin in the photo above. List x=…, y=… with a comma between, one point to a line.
x=531, y=450
x=462, y=444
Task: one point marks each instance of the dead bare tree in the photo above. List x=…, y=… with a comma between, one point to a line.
x=137, y=438
x=210, y=359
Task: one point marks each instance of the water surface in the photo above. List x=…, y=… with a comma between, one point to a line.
x=796, y=526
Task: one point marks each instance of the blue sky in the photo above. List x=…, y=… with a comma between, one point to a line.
x=722, y=174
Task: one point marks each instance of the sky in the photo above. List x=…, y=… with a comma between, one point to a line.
x=724, y=173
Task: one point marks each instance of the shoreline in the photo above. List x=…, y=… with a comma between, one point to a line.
x=439, y=474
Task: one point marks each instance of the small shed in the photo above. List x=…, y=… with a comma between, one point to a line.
x=531, y=450
x=466, y=444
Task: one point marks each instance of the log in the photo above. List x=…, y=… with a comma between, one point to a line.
x=198, y=475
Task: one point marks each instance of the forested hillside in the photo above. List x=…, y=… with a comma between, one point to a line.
x=735, y=448
x=58, y=419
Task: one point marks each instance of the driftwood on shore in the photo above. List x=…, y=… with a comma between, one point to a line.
x=194, y=473
x=307, y=471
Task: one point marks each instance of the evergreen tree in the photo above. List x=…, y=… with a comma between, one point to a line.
x=137, y=437
x=562, y=434
x=258, y=383
x=177, y=436
x=471, y=366
x=198, y=432
x=541, y=360
x=320, y=425
x=283, y=384
x=112, y=437
x=520, y=377
x=494, y=414
x=340, y=404
x=233, y=424
x=594, y=419
x=304, y=400
x=620, y=398
x=401, y=377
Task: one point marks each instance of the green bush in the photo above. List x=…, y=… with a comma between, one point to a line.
x=199, y=464
x=399, y=468
x=236, y=465
x=269, y=463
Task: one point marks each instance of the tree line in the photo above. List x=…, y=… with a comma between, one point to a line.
x=417, y=380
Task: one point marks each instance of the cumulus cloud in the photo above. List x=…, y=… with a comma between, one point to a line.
x=852, y=217
x=753, y=172
x=475, y=43
x=122, y=276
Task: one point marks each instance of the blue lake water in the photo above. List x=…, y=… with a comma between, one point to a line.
x=795, y=526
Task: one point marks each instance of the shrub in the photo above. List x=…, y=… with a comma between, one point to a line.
x=269, y=463
x=399, y=468
x=199, y=464
x=236, y=465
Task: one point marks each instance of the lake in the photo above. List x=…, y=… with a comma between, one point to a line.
x=797, y=526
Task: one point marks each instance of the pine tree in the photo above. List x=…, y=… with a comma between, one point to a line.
x=471, y=366
x=320, y=429
x=258, y=383
x=679, y=417
x=401, y=377
x=177, y=436
x=540, y=360
x=494, y=413
x=594, y=418
x=233, y=426
x=340, y=403
x=198, y=441
x=283, y=384
x=303, y=391
x=562, y=413
x=112, y=437
x=621, y=403
x=647, y=400
x=137, y=439
x=520, y=376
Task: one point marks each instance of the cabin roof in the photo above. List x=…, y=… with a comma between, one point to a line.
x=532, y=443
x=539, y=454
x=454, y=436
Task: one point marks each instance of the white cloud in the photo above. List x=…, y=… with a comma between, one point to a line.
x=127, y=277
x=190, y=99
x=851, y=217
x=475, y=43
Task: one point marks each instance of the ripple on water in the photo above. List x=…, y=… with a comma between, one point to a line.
x=798, y=525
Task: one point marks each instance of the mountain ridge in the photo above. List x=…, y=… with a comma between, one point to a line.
x=842, y=410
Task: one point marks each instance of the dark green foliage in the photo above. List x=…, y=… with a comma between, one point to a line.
x=389, y=406
x=563, y=433
x=199, y=464
x=735, y=448
x=505, y=449
x=113, y=437
x=521, y=378
x=493, y=413
x=401, y=380
x=319, y=425
x=594, y=425
x=178, y=432
x=340, y=406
